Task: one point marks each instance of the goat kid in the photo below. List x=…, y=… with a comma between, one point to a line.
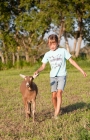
x=29, y=92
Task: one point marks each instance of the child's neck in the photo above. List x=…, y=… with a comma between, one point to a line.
x=56, y=48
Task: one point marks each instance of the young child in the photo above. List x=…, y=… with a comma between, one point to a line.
x=57, y=58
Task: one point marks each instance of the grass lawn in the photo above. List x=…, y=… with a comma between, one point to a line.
x=74, y=121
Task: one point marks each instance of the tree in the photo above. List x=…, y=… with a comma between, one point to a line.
x=81, y=10
x=28, y=22
x=9, y=46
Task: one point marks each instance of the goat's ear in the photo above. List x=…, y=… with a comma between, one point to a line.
x=35, y=75
x=23, y=76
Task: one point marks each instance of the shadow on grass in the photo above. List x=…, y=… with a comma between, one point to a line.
x=48, y=113
x=74, y=107
x=44, y=115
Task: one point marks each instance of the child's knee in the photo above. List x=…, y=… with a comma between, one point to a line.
x=59, y=93
x=54, y=94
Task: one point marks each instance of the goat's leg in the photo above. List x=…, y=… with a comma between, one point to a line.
x=27, y=112
x=29, y=109
x=25, y=106
x=33, y=109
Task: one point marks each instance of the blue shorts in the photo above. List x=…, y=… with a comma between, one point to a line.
x=57, y=83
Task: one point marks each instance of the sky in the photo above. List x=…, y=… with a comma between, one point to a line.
x=71, y=42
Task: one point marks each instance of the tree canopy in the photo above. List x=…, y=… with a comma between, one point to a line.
x=27, y=22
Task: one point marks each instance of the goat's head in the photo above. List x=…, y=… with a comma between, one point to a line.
x=28, y=80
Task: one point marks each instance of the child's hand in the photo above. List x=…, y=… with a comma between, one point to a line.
x=84, y=73
x=36, y=73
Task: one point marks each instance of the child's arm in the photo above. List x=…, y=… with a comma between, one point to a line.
x=77, y=66
x=40, y=69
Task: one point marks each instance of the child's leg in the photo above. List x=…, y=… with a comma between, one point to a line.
x=54, y=101
x=59, y=101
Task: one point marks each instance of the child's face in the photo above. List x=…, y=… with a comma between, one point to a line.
x=52, y=45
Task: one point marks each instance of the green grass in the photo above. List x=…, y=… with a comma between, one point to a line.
x=72, y=124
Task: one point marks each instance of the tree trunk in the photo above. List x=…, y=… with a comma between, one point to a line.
x=79, y=34
x=17, y=55
x=27, y=56
x=78, y=47
x=2, y=57
x=67, y=46
x=13, y=55
x=61, y=30
x=74, y=47
x=6, y=57
x=66, y=39
x=26, y=51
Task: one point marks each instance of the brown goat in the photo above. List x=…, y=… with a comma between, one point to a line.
x=29, y=92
